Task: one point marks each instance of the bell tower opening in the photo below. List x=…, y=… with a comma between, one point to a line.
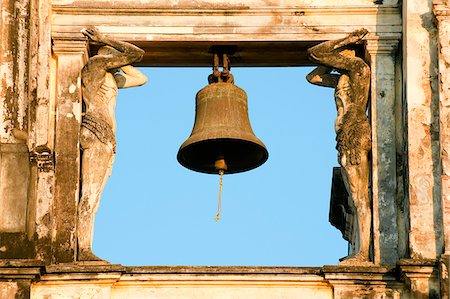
x=161, y=213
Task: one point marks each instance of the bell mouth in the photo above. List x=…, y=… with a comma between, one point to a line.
x=239, y=155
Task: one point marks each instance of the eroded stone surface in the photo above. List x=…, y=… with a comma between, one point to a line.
x=383, y=178
x=14, y=68
x=8, y=289
x=420, y=49
x=14, y=178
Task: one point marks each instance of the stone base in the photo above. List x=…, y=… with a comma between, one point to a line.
x=17, y=277
x=29, y=279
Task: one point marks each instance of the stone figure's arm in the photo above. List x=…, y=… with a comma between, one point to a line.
x=322, y=76
x=128, y=53
x=327, y=53
x=131, y=77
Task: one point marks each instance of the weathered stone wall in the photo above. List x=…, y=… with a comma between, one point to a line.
x=27, y=117
x=42, y=52
x=14, y=94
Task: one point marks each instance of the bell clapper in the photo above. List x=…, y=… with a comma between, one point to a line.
x=221, y=166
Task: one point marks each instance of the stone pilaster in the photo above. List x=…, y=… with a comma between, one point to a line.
x=444, y=265
x=363, y=282
x=41, y=193
x=422, y=115
x=41, y=129
x=17, y=277
x=70, y=56
x=42, y=79
x=382, y=114
x=442, y=13
x=421, y=279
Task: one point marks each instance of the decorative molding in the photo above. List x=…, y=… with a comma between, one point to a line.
x=94, y=8
x=377, y=46
x=71, y=46
x=43, y=157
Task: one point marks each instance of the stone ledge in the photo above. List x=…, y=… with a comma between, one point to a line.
x=20, y=263
x=222, y=270
x=18, y=269
x=116, y=281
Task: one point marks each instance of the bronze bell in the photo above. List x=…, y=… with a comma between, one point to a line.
x=222, y=138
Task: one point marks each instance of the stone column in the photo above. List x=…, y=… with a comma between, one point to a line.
x=441, y=10
x=422, y=114
x=71, y=55
x=382, y=113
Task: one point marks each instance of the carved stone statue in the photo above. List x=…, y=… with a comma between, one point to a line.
x=339, y=68
x=101, y=78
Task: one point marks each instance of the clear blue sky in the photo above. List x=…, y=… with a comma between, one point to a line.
x=156, y=212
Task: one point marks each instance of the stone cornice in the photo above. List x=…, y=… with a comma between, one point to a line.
x=277, y=23
x=182, y=35
x=372, y=274
x=43, y=158
x=12, y=269
x=97, y=9
x=72, y=45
